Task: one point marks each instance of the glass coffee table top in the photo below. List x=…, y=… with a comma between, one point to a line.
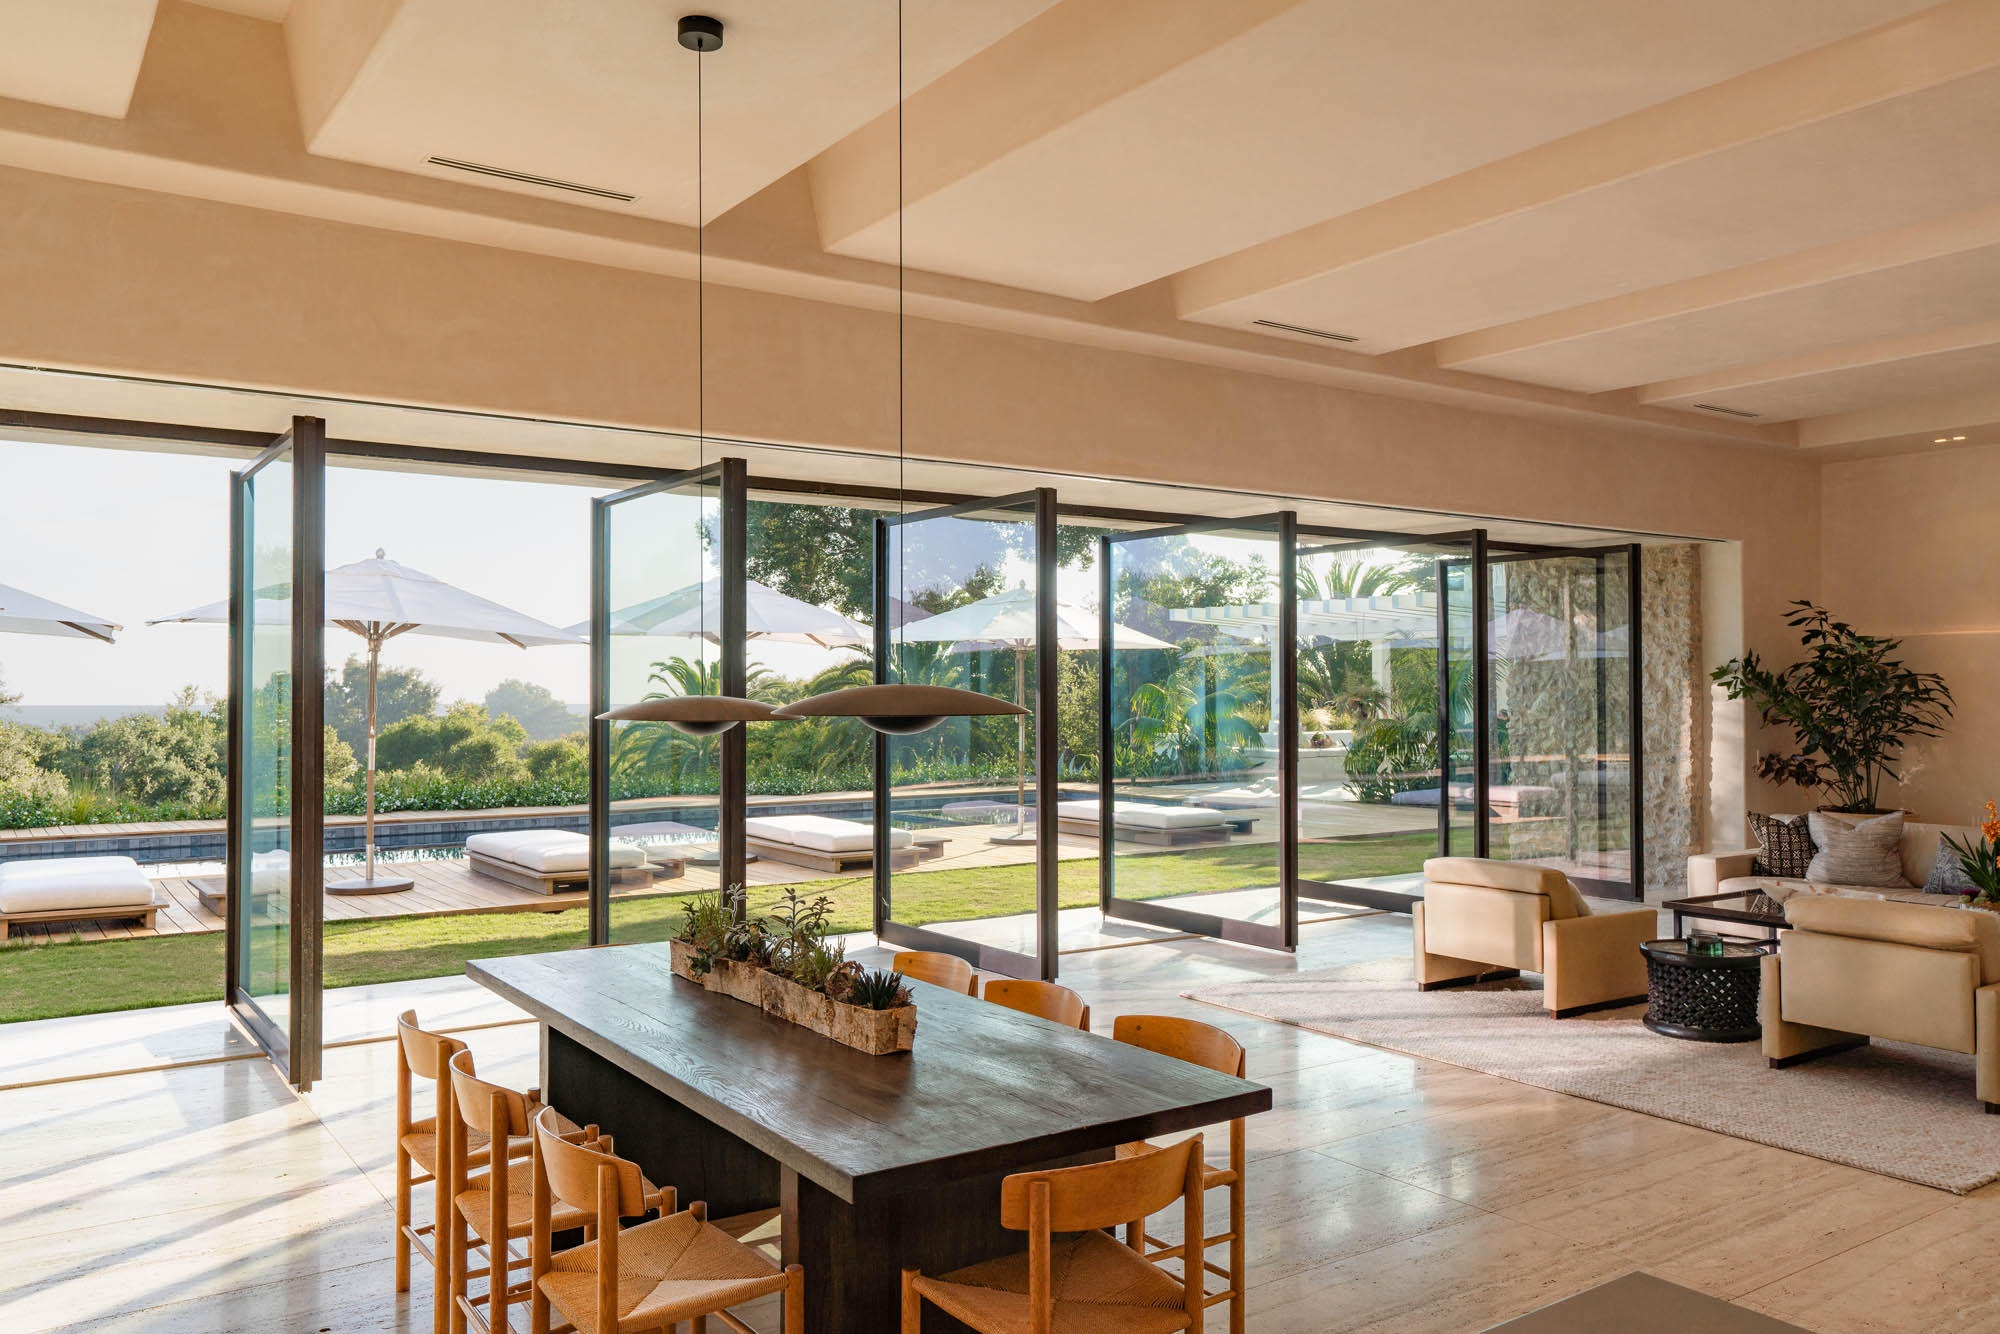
x=1753, y=907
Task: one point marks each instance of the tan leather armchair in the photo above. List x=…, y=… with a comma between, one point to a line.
x=1852, y=969
x=1482, y=918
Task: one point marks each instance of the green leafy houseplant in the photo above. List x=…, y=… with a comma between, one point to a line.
x=1980, y=858
x=1850, y=703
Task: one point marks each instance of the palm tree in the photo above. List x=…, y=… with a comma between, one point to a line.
x=1339, y=676
x=1197, y=710
x=655, y=753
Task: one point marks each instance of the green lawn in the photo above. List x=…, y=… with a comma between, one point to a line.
x=44, y=981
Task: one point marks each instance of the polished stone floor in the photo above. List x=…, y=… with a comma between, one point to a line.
x=1387, y=1193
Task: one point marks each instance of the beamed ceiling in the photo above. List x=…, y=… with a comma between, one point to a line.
x=1776, y=222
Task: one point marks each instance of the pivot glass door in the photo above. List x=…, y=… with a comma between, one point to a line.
x=965, y=812
x=667, y=619
x=1198, y=746
x=276, y=777
x=1562, y=741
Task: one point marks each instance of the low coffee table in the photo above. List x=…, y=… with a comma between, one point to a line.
x=1703, y=997
x=1746, y=908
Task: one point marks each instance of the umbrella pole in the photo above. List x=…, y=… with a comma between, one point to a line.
x=374, y=662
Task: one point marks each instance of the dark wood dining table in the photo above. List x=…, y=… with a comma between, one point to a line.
x=877, y=1162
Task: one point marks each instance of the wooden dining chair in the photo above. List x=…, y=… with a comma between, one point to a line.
x=649, y=1276
x=493, y=1207
x=943, y=970
x=1084, y=1279
x=1205, y=1045
x=421, y=1143
x=1050, y=1000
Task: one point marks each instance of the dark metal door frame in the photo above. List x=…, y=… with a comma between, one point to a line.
x=1041, y=504
x=297, y=1048
x=729, y=477
x=1285, y=934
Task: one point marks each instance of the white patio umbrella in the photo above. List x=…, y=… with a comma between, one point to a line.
x=22, y=613
x=1007, y=620
x=379, y=599
x=769, y=614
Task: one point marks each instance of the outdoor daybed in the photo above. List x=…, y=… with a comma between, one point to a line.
x=1508, y=801
x=548, y=860
x=1148, y=822
x=74, y=889
x=823, y=842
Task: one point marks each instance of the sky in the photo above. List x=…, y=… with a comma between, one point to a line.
x=131, y=535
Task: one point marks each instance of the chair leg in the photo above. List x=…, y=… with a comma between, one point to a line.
x=1238, y=1264
x=913, y=1306
x=795, y=1299
x=458, y=1285
x=402, y=1220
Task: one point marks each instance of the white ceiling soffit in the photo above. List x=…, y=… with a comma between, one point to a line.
x=601, y=94
x=79, y=54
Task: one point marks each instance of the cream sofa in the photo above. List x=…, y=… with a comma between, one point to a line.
x=1851, y=969
x=1731, y=872
x=1482, y=918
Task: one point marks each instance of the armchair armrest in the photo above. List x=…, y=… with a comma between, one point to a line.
x=1707, y=870
x=1595, y=960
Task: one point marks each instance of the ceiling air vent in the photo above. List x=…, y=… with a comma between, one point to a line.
x=524, y=178
x=1727, y=412
x=1310, y=333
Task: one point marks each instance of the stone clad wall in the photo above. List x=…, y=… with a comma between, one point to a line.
x=1675, y=775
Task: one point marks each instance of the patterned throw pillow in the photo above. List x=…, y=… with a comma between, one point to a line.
x=1857, y=852
x=1784, y=845
x=1948, y=873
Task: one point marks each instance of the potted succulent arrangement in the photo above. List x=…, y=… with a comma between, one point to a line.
x=785, y=965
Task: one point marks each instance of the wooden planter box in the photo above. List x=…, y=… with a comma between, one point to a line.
x=877, y=1032
x=788, y=1000
x=739, y=981
x=683, y=961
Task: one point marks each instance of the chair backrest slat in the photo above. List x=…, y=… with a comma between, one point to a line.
x=1098, y=1195
x=1184, y=1039
x=574, y=1170
x=482, y=1103
x=942, y=970
x=427, y=1052
x=1049, y=1000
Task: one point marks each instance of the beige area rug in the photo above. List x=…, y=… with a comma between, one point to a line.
x=1899, y=1110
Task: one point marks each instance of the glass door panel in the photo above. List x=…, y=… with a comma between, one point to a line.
x=970, y=864
x=276, y=740
x=1194, y=748
x=657, y=630
x=1461, y=831
x=1375, y=640
x=1562, y=755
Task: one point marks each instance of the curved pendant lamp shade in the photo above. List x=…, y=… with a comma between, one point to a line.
x=900, y=710
x=695, y=715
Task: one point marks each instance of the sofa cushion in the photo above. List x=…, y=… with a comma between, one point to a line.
x=1855, y=851
x=820, y=833
x=82, y=883
x=1145, y=814
x=1784, y=845
x=1960, y=930
x=551, y=851
x=1514, y=877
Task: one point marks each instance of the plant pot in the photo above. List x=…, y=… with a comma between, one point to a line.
x=682, y=955
x=877, y=1032
x=740, y=981
x=788, y=1000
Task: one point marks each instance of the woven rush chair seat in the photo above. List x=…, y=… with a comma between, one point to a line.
x=675, y=1268
x=1100, y=1286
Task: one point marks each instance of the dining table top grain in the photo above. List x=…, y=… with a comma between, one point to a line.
x=985, y=1089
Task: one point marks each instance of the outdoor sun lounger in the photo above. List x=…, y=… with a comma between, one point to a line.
x=1507, y=801
x=549, y=860
x=823, y=842
x=1149, y=822
x=74, y=889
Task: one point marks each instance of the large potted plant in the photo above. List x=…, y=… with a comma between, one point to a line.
x=1850, y=704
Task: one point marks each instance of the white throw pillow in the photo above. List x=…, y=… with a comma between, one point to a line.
x=1857, y=851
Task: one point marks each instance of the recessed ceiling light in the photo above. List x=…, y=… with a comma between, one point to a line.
x=1958, y=437
x=1941, y=440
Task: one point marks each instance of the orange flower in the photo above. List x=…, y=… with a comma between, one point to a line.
x=1991, y=827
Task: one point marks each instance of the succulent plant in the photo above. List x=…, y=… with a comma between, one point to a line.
x=816, y=965
x=878, y=990
x=796, y=926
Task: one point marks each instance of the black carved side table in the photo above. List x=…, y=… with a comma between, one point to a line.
x=1702, y=997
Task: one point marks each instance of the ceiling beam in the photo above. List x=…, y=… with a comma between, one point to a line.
x=1824, y=361
x=1918, y=421
x=1933, y=47
x=1068, y=61
x=1933, y=238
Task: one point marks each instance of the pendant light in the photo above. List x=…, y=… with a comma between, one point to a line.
x=895, y=709
x=697, y=715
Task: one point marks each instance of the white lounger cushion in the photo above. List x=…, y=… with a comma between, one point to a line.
x=1146, y=815
x=820, y=833
x=73, y=882
x=551, y=851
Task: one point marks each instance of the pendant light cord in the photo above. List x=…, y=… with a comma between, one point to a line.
x=902, y=405
x=701, y=344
